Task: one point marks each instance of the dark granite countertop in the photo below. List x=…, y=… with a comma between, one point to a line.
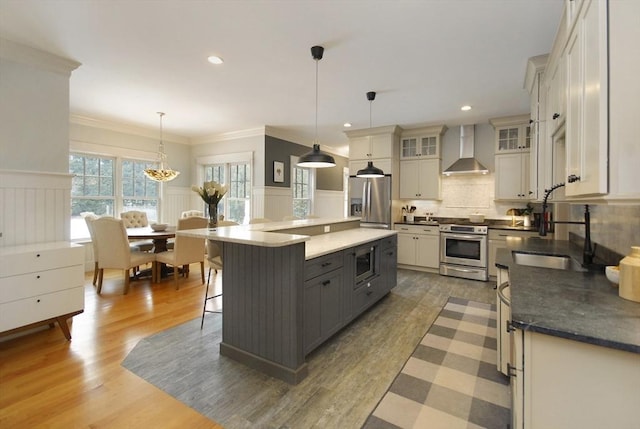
x=581, y=306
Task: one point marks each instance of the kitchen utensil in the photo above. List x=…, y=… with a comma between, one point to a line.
x=412, y=209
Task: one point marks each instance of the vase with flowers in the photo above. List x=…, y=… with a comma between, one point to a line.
x=211, y=193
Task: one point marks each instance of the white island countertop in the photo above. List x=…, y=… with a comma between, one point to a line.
x=267, y=235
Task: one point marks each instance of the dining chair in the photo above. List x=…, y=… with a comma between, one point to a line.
x=190, y=213
x=137, y=219
x=114, y=251
x=89, y=218
x=260, y=220
x=186, y=250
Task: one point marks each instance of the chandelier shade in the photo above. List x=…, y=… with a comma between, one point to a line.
x=163, y=173
x=316, y=158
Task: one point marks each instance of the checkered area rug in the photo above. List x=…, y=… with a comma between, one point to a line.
x=450, y=381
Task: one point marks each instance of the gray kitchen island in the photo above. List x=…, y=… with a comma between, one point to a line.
x=289, y=286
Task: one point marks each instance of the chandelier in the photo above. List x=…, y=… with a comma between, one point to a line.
x=163, y=173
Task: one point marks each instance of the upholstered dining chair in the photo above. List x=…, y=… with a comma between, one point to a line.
x=191, y=213
x=186, y=250
x=137, y=219
x=89, y=218
x=114, y=251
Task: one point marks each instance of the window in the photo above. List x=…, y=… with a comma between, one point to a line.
x=95, y=189
x=138, y=191
x=236, y=203
x=301, y=187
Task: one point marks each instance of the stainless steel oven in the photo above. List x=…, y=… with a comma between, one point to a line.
x=463, y=251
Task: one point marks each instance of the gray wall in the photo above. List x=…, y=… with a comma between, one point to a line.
x=328, y=179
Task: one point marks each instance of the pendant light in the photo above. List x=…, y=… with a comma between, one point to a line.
x=316, y=158
x=370, y=171
x=163, y=173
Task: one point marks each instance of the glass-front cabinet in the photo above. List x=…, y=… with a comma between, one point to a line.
x=421, y=142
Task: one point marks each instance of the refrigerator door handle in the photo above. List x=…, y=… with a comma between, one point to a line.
x=368, y=185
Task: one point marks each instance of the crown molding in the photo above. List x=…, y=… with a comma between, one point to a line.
x=127, y=129
x=232, y=135
x=389, y=129
x=23, y=54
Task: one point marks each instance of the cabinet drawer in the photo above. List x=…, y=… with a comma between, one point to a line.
x=389, y=242
x=34, y=258
x=30, y=310
x=418, y=229
x=323, y=264
x=365, y=296
x=502, y=234
x=42, y=282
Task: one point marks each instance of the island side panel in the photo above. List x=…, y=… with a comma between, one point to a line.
x=262, y=308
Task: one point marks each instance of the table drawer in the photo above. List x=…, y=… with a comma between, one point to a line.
x=35, y=309
x=323, y=264
x=42, y=282
x=34, y=259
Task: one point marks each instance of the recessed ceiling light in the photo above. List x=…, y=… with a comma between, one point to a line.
x=213, y=59
x=347, y=124
x=465, y=108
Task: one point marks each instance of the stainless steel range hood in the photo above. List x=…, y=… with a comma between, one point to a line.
x=467, y=164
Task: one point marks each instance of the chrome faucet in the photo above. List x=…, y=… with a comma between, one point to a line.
x=587, y=252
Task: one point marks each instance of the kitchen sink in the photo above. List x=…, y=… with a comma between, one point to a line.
x=557, y=262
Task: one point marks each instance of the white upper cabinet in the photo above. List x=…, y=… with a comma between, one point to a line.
x=513, y=160
x=421, y=142
x=592, y=87
x=539, y=175
x=420, y=166
x=513, y=133
x=373, y=143
x=586, y=124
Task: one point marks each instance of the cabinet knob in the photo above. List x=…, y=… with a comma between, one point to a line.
x=326, y=282
x=326, y=264
x=573, y=178
x=37, y=277
x=556, y=116
x=37, y=255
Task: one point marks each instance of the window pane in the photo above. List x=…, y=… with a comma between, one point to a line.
x=150, y=207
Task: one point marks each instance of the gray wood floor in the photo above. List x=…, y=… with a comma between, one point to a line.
x=348, y=375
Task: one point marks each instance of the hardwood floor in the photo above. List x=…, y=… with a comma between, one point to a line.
x=47, y=381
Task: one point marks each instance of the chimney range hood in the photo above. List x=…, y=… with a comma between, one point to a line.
x=467, y=164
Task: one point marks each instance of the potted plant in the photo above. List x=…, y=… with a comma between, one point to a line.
x=211, y=193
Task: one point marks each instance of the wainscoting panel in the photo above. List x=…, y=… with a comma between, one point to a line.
x=35, y=207
x=329, y=204
x=278, y=203
x=177, y=200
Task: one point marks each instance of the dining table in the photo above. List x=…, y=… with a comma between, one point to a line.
x=160, y=238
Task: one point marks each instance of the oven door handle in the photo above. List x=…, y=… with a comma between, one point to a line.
x=465, y=237
x=462, y=270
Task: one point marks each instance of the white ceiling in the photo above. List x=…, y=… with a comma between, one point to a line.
x=425, y=58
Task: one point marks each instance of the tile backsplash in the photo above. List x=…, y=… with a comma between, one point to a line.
x=616, y=227
x=464, y=195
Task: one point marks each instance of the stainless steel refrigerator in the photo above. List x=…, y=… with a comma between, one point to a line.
x=371, y=199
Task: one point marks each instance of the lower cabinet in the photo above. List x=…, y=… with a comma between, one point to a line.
x=561, y=383
x=498, y=240
x=340, y=286
x=323, y=314
x=418, y=246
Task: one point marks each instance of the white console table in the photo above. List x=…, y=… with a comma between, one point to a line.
x=41, y=283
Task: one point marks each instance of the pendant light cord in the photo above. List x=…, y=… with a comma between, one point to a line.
x=315, y=141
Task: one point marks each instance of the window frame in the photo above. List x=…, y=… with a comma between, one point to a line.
x=119, y=155
x=311, y=187
x=227, y=160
